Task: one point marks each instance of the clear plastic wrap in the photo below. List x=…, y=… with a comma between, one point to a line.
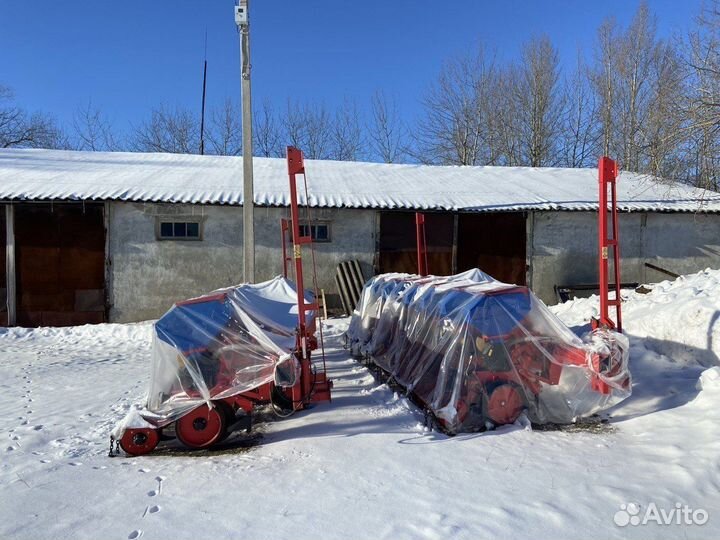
x=221, y=344
x=477, y=352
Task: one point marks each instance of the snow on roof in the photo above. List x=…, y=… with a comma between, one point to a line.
x=178, y=178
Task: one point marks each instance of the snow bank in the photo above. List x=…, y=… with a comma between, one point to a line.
x=678, y=319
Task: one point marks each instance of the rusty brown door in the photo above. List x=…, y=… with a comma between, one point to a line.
x=397, y=245
x=495, y=243
x=60, y=261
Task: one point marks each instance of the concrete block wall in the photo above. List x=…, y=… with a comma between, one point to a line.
x=562, y=247
x=146, y=275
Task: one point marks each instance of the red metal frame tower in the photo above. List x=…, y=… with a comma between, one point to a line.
x=316, y=384
x=608, y=240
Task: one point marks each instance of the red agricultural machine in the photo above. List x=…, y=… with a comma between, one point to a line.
x=217, y=357
x=475, y=352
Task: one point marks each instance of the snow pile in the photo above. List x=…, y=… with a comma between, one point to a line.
x=678, y=319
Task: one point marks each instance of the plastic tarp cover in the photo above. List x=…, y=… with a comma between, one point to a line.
x=477, y=352
x=221, y=344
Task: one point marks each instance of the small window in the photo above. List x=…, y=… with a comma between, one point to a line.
x=179, y=230
x=319, y=232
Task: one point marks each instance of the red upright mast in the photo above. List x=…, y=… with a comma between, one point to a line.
x=607, y=177
x=315, y=384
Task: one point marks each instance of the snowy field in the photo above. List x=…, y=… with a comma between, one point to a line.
x=363, y=466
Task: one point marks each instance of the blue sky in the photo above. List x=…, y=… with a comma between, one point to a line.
x=130, y=55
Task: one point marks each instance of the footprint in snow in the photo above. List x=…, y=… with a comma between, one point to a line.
x=151, y=510
x=74, y=463
x=143, y=470
x=135, y=534
x=158, y=491
x=38, y=427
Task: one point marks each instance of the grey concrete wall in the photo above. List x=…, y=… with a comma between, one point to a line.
x=352, y=237
x=146, y=275
x=562, y=247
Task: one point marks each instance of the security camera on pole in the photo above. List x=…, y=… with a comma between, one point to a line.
x=242, y=21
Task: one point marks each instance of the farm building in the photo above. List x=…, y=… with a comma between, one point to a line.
x=93, y=237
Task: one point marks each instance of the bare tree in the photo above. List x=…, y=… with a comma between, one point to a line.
x=92, y=130
x=580, y=134
x=604, y=79
x=266, y=132
x=504, y=124
x=168, y=130
x=632, y=67
x=225, y=130
x=454, y=129
x=347, y=142
x=704, y=98
x=662, y=133
x=307, y=126
x=22, y=129
x=639, y=51
x=539, y=104
x=386, y=133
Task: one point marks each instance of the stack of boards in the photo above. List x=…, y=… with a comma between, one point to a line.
x=349, y=280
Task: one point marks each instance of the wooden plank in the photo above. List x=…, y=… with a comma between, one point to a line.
x=662, y=270
x=342, y=296
x=345, y=289
x=353, y=292
x=324, y=303
x=358, y=277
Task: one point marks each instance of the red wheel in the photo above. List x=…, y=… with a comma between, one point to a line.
x=201, y=427
x=505, y=404
x=139, y=441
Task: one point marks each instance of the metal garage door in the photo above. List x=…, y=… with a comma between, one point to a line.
x=398, y=249
x=60, y=262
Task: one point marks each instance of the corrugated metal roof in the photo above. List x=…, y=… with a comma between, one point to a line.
x=176, y=178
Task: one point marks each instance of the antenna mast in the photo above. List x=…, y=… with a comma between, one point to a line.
x=202, y=110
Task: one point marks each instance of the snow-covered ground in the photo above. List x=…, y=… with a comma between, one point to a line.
x=363, y=466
